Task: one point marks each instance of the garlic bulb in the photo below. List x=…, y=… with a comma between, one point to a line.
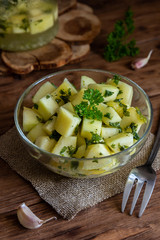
x=28, y=219
x=141, y=62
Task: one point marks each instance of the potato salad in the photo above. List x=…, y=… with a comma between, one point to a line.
x=95, y=121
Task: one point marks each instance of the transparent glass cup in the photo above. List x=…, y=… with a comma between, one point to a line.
x=27, y=24
x=84, y=167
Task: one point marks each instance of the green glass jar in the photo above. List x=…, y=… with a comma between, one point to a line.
x=27, y=24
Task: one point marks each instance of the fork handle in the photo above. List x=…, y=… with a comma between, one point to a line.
x=155, y=148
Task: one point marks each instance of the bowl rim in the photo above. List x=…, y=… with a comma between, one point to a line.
x=27, y=90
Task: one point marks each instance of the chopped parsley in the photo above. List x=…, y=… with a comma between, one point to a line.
x=69, y=149
x=89, y=108
x=95, y=139
x=48, y=96
x=95, y=160
x=116, y=79
x=65, y=95
x=108, y=93
x=125, y=111
x=120, y=92
x=35, y=105
x=121, y=148
x=25, y=24
x=134, y=127
x=113, y=145
x=63, y=150
x=108, y=115
x=76, y=130
x=143, y=118
x=74, y=165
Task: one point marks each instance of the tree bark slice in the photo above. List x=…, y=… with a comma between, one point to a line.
x=79, y=52
x=84, y=7
x=66, y=5
x=55, y=54
x=77, y=26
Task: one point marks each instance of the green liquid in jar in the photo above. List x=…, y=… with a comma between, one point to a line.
x=27, y=24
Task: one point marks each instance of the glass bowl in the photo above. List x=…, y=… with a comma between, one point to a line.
x=74, y=167
x=27, y=24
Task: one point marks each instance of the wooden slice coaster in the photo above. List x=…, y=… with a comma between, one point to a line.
x=84, y=7
x=79, y=27
x=3, y=68
x=66, y=5
x=55, y=54
x=79, y=52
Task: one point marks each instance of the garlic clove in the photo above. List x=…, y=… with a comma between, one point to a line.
x=28, y=219
x=141, y=62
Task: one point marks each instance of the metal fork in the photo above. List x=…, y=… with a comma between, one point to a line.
x=139, y=176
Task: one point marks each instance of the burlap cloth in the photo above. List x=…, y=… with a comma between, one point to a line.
x=66, y=195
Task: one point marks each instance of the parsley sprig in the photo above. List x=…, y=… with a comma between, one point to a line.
x=117, y=44
x=89, y=108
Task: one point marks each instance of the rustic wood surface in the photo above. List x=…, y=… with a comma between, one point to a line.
x=104, y=221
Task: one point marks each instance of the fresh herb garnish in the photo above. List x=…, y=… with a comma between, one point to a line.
x=95, y=160
x=117, y=45
x=116, y=79
x=48, y=96
x=63, y=150
x=25, y=24
x=143, y=118
x=125, y=111
x=121, y=148
x=35, y=105
x=74, y=165
x=94, y=139
x=116, y=125
x=65, y=95
x=108, y=93
x=134, y=130
x=107, y=115
x=89, y=108
x=93, y=96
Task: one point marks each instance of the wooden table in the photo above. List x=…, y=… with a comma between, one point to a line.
x=103, y=221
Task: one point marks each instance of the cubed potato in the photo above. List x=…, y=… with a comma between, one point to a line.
x=109, y=92
x=69, y=107
x=80, y=152
x=119, y=141
x=133, y=117
x=65, y=146
x=96, y=151
x=85, y=81
x=20, y=23
x=90, y=126
x=41, y=23
x=35, y=132
x=64, y=92
x=80, y=139
x=107, y=132
x=118, y=107
x=67, y=122
x=30, y=119
x=78, y=98
x=47, y=106
x=125, y=91
x=109, y=114
x=45, y=89
x=49, y=126
x=45, y=143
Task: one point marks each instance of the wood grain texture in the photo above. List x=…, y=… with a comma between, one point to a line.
x=103, y=221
